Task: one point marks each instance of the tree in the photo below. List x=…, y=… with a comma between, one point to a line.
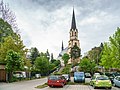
x=5, y=30
x=10, y=40
x=15, y=44
x=42, y=64
x=34, y=54
x=115, y=47
x=106, y=59
x=47, y=54
x=95, y=54
x=87, y=66
x=65, y=57
x=14, y=62
x=75, y=54
x=111, y=52
x=8, y=16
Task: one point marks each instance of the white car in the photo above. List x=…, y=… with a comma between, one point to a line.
x=96, y=74
x=116, y=81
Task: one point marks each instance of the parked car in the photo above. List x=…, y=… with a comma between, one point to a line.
x=79, y=77
x=19, y=74
x=95, y=74
x=101, y=81
x=112, y=75
x=56, y=80
x=116, y=81
x=67, y=77
x=87, y=75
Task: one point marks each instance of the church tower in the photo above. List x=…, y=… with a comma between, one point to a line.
x=62, y=48
x=73, y=36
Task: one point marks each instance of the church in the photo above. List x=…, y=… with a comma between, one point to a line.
x=73, y=41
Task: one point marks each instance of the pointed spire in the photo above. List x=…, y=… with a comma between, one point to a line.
x=73, y=25
x=62, y=46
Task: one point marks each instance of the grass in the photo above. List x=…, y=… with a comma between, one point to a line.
x=42, y=86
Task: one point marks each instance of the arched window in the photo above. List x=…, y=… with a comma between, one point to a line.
x=72, y=33
x=75, y=34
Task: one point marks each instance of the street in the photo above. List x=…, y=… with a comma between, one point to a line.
x=31, y=84
x=78, y=87
x=23, y=85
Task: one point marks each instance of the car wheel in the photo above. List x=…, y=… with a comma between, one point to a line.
x=63, y=84
x=90, y=84
x=110, y=87
x=50, y=86
x=94, y=86
x=114, y=85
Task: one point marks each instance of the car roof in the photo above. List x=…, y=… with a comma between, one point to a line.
x=117, y=76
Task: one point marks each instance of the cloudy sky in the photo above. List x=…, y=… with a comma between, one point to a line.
x=45, y=23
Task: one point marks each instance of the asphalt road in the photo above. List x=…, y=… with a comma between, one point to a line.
x=31, y=84
x=77, y=87
x=23, y=85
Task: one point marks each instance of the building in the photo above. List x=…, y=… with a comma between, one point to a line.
x=3, y=73
x=73, y=41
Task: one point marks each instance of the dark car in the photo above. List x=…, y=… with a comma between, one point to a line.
x=56, y=80
x=112, y=75
x=67, y=77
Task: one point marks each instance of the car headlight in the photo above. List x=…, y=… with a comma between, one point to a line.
x=83, y=77
x=96, y=82
x=75, y=78
x=109, y=82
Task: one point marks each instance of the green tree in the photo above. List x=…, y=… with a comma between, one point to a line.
x=57, y=63
x=42, y=64
x=14, y=62
x=10, y=40
x=5, y=30
x=47, y=54
x=87, y=66
x=34, y=54
x=75, y=52
x=15, y=44
x=106, y=58
x=111, y=52
x=65, y=57
x=115, y=47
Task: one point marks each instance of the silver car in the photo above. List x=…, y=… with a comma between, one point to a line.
x=67, y=77
x=116, y=81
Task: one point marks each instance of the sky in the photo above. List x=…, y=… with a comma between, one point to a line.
x=44, y=24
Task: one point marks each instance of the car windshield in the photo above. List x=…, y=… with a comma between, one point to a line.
x=80, y=75
x=87, y=73
x=54, y=77
x=102, y=78
x=66, y=76
x=118, y=78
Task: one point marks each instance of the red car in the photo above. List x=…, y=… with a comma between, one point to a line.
x=56, y=80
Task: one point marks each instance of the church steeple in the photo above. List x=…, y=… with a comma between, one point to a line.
x=73, y=24
x=62, y=47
